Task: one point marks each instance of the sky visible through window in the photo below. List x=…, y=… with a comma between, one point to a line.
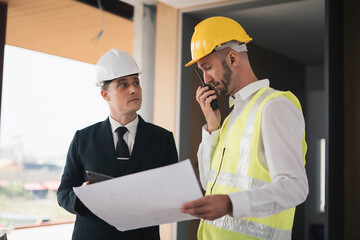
x=45, y=99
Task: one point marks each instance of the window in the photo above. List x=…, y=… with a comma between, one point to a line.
x=45, y=99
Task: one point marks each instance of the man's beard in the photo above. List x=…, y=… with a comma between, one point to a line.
x=225, y=79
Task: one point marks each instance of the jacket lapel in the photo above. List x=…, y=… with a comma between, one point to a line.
x=142, y=137
x=106, y=144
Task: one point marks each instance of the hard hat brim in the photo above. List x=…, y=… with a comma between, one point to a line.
x=191, y=62
x=101, y=82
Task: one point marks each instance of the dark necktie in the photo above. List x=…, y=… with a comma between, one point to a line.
x=122, y=150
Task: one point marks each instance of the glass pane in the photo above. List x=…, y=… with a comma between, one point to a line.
x=45, y=99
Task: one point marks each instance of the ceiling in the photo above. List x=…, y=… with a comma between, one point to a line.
x=65, y=28
x=293, y=28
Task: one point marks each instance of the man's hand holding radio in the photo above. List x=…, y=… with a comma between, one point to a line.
x=204, y=96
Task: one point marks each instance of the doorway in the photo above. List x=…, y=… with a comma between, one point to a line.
x=288, y=49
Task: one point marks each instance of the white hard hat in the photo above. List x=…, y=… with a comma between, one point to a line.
x=114, y=64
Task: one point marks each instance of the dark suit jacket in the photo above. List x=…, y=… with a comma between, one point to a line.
x=93, y=149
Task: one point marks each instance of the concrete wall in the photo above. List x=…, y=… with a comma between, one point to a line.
x=165, y=82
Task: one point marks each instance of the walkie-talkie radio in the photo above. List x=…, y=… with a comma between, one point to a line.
x=214, y=103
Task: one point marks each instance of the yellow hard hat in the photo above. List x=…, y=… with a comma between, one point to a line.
x=211, y=33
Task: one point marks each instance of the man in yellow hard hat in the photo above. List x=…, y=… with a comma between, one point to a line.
x=252, y=167
x=122, y=144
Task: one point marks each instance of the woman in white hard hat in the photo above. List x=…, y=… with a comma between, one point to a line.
x=122, y=144
x=252, y=166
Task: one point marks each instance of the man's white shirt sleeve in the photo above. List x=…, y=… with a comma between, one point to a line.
x=205, y=153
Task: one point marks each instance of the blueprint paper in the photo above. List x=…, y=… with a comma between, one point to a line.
x=143, y=199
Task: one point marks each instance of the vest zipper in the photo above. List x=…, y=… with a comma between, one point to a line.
x=217, y=174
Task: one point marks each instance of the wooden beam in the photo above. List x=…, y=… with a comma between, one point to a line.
x=166, y=48
x=165, y=81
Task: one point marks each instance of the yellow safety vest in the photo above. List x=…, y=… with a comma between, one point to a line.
x=234, y=170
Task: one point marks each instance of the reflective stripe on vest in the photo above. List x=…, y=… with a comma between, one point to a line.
x=249, y=228
x=244, y=155
x=236, y=180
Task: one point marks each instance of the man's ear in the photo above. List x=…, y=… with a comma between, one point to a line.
x=233, y=59
x=104, y=94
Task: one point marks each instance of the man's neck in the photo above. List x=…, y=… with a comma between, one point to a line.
x=124, y=119
x=242, y=80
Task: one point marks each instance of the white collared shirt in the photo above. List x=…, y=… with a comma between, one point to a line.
x=129, y=136
x=282, y=131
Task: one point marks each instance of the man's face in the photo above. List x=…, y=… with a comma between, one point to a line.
x=216, y=73
x=124, y=95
